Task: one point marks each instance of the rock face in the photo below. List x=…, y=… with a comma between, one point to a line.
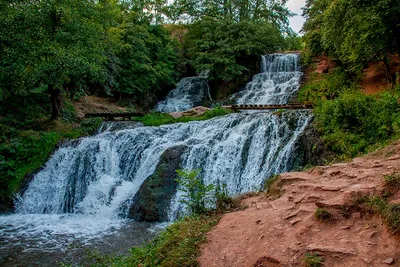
x=311, y=149
x=151, y=202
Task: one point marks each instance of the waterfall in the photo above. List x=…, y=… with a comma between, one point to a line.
x=276, y=84
x=93, y=178
x=189, y=92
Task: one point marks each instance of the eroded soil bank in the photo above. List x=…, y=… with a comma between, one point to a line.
x=280, y=232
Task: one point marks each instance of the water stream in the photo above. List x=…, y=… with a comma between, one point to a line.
x=76, y=201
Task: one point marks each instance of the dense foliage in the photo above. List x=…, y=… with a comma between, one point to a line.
x=353, y=121
x=26, y=145
x=76, y=47
x=353, y=32
x=221, y=47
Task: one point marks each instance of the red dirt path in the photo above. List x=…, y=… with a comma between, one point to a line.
x=280, y=232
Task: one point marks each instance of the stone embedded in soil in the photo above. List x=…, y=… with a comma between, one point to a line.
x=329, y=250
x=367, y=260
x=388, y=261
x=333, y=172
x=395, y=157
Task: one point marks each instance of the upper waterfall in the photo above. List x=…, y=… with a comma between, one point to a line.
x=276, y=84
x=189, y=92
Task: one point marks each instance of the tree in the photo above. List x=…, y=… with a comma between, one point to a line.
x=272, y=11
x=221, y=46
x=54, y=45
x=354, y=32
x=148, y=57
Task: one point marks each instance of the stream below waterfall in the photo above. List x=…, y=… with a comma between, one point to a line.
x=80, y=198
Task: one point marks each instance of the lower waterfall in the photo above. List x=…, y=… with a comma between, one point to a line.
x=83, y=190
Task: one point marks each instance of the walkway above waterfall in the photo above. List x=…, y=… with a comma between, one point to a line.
x=110, y=116
x=266, y=107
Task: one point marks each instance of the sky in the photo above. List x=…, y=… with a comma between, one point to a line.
x=295, y=6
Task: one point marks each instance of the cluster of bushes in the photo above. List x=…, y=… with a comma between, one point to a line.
x=353, y=122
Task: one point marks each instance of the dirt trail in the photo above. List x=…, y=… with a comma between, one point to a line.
x=93, y=104
x=280, y=232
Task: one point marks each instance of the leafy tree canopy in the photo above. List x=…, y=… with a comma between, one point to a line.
x=353, y=32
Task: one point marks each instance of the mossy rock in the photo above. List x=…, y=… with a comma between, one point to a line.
x=153, y=199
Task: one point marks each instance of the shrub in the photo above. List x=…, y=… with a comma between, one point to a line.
x=223, y=201
x=353, y=122
x=197, y=195
x=322, y=87
x=323, y=215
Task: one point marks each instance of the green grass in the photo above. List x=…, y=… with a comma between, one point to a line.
x=313, y=260
x=392, y=182
x=157, y=119
x=389, y=212
x=178, y=245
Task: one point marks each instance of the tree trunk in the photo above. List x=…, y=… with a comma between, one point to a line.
x=55, y=98
x=389, y=75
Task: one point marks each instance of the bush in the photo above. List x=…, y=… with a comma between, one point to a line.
x=197, y=195
x=20, y=154
x=322, y=87
x=392, y=182
x=323, y=215
x=353, y=122
x=223, y=201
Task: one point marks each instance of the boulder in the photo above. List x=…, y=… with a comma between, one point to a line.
x=153, y=199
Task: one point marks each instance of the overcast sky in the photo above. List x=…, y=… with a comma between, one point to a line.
x=295, y=6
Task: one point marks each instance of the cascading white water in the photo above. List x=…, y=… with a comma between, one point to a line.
x=83, y=186
x=276, y=84
x=189, y=92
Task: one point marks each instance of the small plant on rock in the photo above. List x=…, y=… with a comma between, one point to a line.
x=323, y=215
x=392, y=182
x=223, y=201
x=391, y=216
x=197, y=195
x=273, y=187
x=313, y=260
